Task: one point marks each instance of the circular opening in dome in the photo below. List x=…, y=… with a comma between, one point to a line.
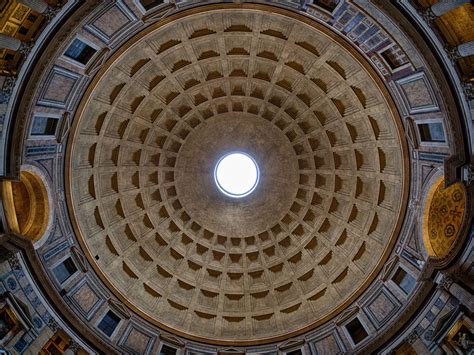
x=236, y=174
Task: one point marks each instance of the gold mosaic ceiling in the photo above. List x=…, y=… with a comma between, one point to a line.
x=180, y=253
x=443, y=217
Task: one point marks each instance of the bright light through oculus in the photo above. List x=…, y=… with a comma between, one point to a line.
x=236, y=174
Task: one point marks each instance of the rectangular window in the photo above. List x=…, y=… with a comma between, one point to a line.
x=395, y=57
x=295, y=352
x=431, y=132
x=32, y=18
x=44, y=126
x=23, y=31
x=149, y=4
x=167, y=350
x=404, y=280
x=64, y=270
x=108, y=324
x=80, y=51
x=356, y=330
x=328, y=5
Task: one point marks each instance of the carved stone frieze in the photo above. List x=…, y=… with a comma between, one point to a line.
x=53, y=324
x=453, y=53
x=428, y=15
x=51, y=12
x=445, y=282
x=413, y=337
x=468, y=87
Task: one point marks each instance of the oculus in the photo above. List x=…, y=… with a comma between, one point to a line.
x=236, y=174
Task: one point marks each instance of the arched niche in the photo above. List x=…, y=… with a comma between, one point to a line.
x=26, y=205
x=443, y=216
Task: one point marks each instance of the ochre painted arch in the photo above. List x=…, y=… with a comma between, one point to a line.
x=26, y=205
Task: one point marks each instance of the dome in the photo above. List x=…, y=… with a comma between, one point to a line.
x=329, y=201
x=265, y=177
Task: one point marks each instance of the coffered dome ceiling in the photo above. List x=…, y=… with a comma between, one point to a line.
x=328, y=206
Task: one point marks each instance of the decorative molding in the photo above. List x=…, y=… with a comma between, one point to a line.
x=34, y=82
x=26, y=47
x=390, y=299
x=74, y=346
x=172, y=339
x=114, y=37
x=230, y=351
x=444, y=322
x=388, y=268
x=51, y=12
x=65, y=126
x=97, y=62
x=427, y=15
x=14, y=262
x=292, y=343
x=137, y=339
x=348, y=313
x=402, y=317
x=417, y=93
x=89, y=313
x=445, y=281
x=323, y=335
x=160, y=13
x=452, y=169
x=57, y=78
x=468, y=87
x=80, y=258
x=9, y=84
x=453, y=53
x=53, y=325
x=413, y=337
x=468, y=174
x=119, y=307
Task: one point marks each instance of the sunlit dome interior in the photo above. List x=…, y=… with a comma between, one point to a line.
x=271, y=177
